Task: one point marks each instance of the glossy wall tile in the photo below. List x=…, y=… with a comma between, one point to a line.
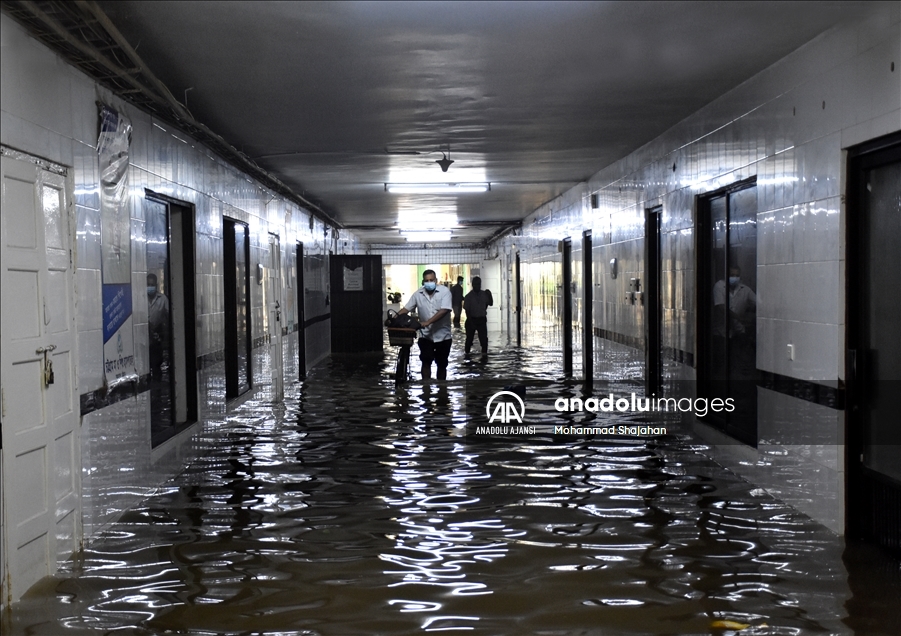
x=787, y=128
x=56, y=118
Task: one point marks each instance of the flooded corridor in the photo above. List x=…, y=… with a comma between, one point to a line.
x=358, y=508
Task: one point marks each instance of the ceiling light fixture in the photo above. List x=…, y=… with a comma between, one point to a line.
x=426, y=236
x=436, y=188
x=445, y=161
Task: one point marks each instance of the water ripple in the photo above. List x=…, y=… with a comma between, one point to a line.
x=359, y=508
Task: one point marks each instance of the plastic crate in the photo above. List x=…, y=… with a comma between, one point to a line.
x=399, y=337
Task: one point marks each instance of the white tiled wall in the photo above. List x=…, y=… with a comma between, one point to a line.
x=49, y=110
x=428, y=255
x=788, y=126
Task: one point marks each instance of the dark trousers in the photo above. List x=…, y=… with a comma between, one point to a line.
x=156, y=359
x=477, y=326
x=437, y=352
x=458, y=309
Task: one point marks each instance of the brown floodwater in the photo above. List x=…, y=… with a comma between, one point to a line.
x=359, y=508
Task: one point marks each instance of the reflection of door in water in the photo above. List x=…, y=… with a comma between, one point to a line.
x=874, y=340
x=728, y=307
x=40, y=447
x=274, y=309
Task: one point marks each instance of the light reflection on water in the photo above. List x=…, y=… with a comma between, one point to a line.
x=356, y=508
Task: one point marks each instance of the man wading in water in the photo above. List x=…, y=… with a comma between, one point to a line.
x=432, y=303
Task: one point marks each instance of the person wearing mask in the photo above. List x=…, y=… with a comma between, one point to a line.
x=158, y=326
x=476, y=304
x=432, y=303
x=457, y=300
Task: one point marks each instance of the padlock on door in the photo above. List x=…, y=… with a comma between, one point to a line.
x=48, y=372
x=48, y=363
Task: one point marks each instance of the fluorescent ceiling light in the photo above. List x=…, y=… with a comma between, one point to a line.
x=426, y=236
x=413, y=220
x=436, y=188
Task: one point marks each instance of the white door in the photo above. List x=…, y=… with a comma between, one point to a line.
x=491, y=280
x=276, y=318
x=41, y=458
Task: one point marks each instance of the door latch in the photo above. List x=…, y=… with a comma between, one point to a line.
x=48, y=363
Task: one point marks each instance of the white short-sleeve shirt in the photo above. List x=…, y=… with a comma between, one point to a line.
x=427, y=305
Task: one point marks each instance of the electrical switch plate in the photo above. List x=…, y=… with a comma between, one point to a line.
x=791, y=352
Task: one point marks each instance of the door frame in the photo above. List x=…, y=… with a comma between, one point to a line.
x=652, y=305
x=301, y=315
x=231, y=341
x=58, y=505
x=180, y=216
x=703, y=269
x=872, y=500
x=587, y=310
x=276, y=310
x=517, y=275
x=567, y=248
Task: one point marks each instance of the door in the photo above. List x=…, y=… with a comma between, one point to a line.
x=238, y=335
x=274, y=310
x=517, y=277
x=874, y=340
x=653, y=314
x=356, y=303
x=301, y=316
x=567, y=306
x=727, y=285
x=587, y=307
x=171, y=316
x=40, y=445
x=491, y=280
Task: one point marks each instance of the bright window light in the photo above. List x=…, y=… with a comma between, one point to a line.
x=436, y=188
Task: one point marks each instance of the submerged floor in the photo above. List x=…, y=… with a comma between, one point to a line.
x=358, y=508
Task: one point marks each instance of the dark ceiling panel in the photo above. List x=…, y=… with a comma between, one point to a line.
x=532, y=97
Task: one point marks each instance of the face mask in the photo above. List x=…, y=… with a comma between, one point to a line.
x=430, y=286
x=151, y=290
x=733, y=280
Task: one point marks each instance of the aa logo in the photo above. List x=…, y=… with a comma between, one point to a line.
x=505, y=410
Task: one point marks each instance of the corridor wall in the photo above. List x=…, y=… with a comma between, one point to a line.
x=50, y=111
x=788, y=127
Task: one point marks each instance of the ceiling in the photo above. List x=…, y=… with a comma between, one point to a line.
x=336, y=99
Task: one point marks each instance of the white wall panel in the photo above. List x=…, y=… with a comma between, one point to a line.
x=49, y=110
x=788, y=125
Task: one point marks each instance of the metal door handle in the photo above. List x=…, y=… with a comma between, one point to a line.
x=46, y=349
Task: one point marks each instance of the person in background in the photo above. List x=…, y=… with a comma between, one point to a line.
x=457, y=300
x=432, y=303
x=158, y=326
x=476, y=304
